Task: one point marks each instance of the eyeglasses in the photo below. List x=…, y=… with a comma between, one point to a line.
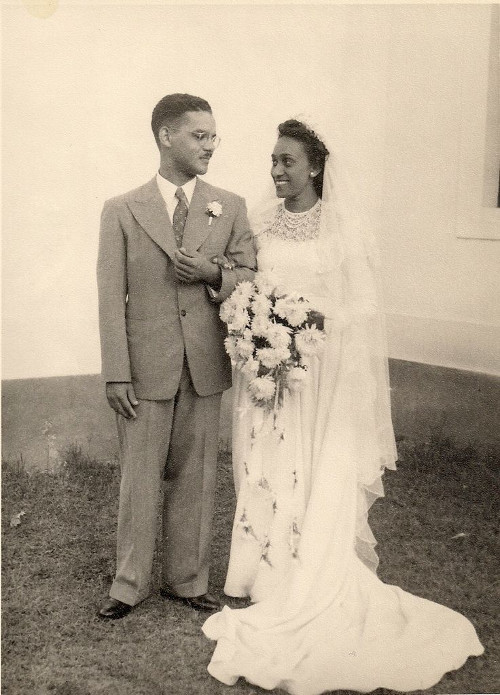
x=205, y=138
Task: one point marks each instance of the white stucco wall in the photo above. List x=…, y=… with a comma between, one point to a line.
x=78, y=92
x=442, y=290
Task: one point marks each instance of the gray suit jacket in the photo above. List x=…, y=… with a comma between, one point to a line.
x=147, y=318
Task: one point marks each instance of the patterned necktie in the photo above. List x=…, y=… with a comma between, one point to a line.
x=180, y=215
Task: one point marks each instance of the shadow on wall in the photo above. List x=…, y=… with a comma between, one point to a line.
x=42, y=417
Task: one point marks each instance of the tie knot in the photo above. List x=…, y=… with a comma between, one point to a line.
x=180, y=195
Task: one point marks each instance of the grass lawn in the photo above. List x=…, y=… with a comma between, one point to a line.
x=58, y=563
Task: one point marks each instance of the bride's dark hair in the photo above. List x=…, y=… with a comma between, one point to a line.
x=315, y=150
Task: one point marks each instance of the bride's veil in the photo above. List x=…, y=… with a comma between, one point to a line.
x=359, y=392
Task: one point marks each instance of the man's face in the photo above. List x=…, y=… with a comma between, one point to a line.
x=191, y=143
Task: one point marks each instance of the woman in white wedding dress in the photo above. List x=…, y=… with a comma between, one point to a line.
x=301, y=545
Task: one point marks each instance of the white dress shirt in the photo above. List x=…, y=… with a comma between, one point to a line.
x=167, y=190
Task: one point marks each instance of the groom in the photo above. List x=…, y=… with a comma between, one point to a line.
x=163, y=356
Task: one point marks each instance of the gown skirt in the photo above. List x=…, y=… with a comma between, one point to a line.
x=301, y=544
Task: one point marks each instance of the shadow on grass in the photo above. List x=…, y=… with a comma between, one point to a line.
x=437, y=534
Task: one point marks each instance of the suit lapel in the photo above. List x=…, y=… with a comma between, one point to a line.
x=150, y=211
x=197, y=224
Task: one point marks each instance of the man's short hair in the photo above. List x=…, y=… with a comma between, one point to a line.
x=174, y=106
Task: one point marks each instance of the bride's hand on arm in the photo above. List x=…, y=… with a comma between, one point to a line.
x=222, y=262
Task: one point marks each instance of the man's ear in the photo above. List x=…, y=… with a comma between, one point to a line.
x=164, y=136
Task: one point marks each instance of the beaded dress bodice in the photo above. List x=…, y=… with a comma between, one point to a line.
x=296, y=226
x=289, y=248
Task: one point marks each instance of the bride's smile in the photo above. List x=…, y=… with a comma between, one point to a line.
x=293, y=175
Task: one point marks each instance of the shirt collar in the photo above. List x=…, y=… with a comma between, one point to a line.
x=167, y=188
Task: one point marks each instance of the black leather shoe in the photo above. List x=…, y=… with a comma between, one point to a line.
x=205, y=602
x=112, y=609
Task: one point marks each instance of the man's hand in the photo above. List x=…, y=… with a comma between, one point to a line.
x=191, y=266
x=121, y=397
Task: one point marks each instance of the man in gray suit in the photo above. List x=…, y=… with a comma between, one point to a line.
x=163, y=356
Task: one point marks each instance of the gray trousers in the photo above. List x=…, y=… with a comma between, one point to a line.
x=176, y=439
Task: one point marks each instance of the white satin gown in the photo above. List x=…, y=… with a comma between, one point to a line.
x=322, y=620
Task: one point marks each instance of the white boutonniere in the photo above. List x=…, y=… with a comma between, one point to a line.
x=214, y=209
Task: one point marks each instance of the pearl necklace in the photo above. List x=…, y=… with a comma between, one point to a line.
x=296, y=226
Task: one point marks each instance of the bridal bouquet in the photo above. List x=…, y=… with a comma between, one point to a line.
x=271, y=336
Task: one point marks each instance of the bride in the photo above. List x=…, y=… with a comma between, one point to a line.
x=302, y=549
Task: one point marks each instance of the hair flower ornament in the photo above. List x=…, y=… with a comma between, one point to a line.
x=214, y=210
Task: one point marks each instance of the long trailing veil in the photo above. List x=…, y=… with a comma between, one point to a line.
x=350, y=266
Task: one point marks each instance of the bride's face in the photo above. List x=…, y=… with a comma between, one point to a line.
x=291, y=169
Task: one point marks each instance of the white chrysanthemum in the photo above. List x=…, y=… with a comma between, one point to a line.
x=234, y=313
x=260, y=325
x=309, y=340
x=227, y=310
x=261, y=305
x=296, y=377
x=243, y=292
x=269, y=357
x=239, y=321
x=230, y=345
x=278, y=335
x=265, y=282
x=284, y=353
x=250, y=368
x=240, y=302
x=262, y=388
x=272, y=357
x=292, y=308
x=243, y=349
x=234, y=310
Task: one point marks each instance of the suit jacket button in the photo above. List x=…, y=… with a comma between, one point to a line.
x=183, y=312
